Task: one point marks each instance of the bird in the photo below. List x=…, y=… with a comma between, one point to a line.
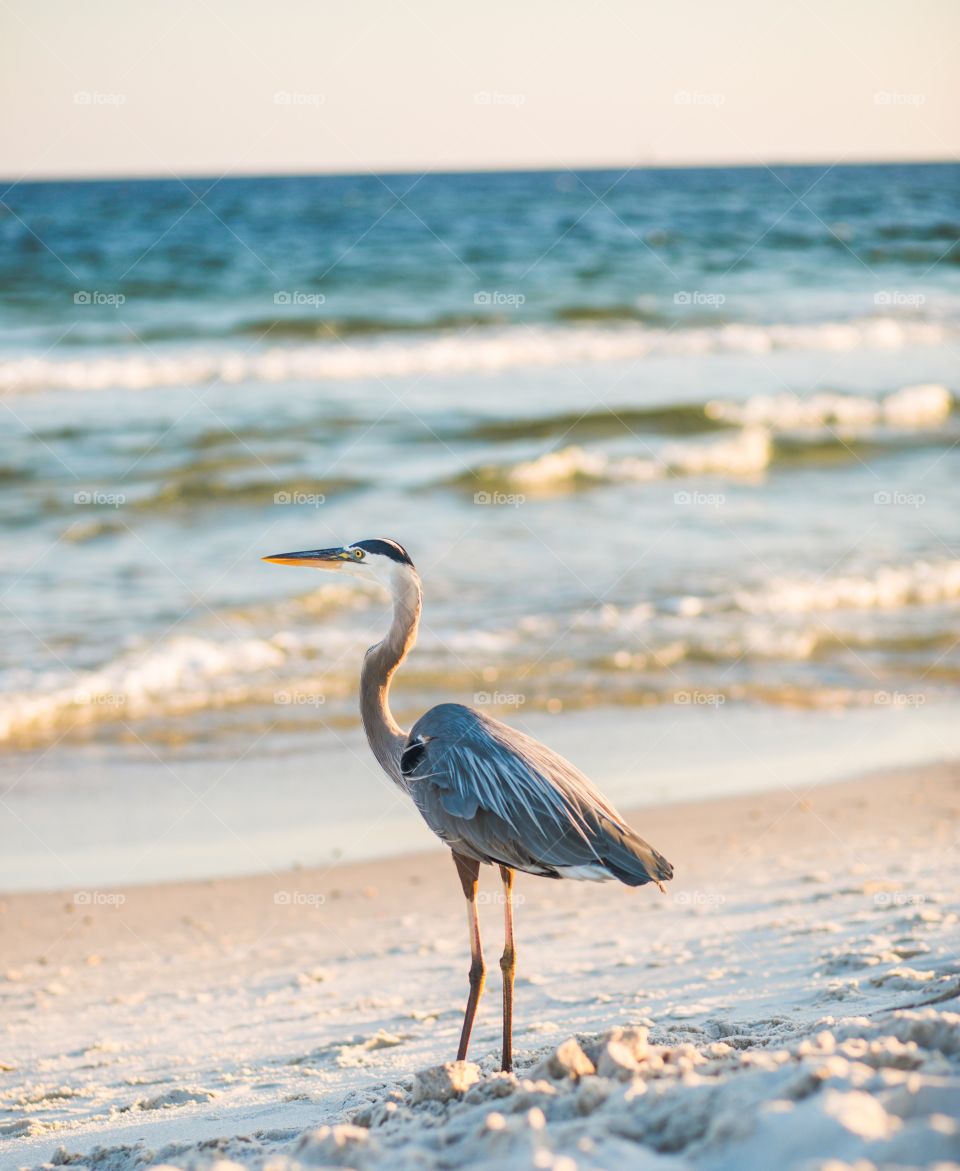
x=494, y=795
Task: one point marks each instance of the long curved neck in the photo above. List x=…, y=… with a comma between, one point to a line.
x=384, y=735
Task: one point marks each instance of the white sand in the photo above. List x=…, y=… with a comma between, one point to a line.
x=798, y=983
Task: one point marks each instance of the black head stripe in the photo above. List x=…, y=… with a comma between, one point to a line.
x=386, y=548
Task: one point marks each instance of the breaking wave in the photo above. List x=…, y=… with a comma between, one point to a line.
x=913, y=406
x=747, y=453
x=285, y=657
x=768, y=428
x=491, y=350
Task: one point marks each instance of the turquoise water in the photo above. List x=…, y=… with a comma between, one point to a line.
x=356, y=256
x=655, y=439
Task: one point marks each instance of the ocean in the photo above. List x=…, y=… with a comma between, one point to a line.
x=674, y=450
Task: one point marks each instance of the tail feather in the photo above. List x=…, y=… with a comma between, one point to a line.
x=632, y=860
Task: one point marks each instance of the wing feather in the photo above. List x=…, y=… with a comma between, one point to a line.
x=499, y=796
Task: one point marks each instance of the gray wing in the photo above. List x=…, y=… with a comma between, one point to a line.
x=498, y=796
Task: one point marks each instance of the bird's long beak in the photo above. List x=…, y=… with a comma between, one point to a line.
x=315, y=558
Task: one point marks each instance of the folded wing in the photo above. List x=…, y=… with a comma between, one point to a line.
x=498, y=796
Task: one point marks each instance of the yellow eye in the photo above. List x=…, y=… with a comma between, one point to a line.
x=358, y=553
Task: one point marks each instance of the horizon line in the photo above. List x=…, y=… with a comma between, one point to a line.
x=572, y=168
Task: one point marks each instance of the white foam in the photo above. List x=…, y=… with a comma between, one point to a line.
x=174, y=676
x=192, y=673
x=743, y=454
x=766, y=622
x=482, y=351
x=746, y=453
x=891, y=587
x=750, y=450
x=926, y=405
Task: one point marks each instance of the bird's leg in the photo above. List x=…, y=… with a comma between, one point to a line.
x=508, y=966
x=469, y=872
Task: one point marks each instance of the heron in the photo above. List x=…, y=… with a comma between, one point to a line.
x=494, y=795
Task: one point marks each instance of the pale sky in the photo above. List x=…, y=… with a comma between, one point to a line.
x=213, y=87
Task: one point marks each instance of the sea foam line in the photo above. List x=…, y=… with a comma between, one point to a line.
x=925, y=405
x=519, y=346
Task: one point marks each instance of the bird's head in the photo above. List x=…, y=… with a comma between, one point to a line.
x=379, y=558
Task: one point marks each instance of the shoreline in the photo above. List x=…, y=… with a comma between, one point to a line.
x=127, y=818
x=345, y=881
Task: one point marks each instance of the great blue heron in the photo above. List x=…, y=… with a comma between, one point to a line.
x=492, y=794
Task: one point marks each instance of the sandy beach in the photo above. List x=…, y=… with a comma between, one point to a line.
x=795, y=990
